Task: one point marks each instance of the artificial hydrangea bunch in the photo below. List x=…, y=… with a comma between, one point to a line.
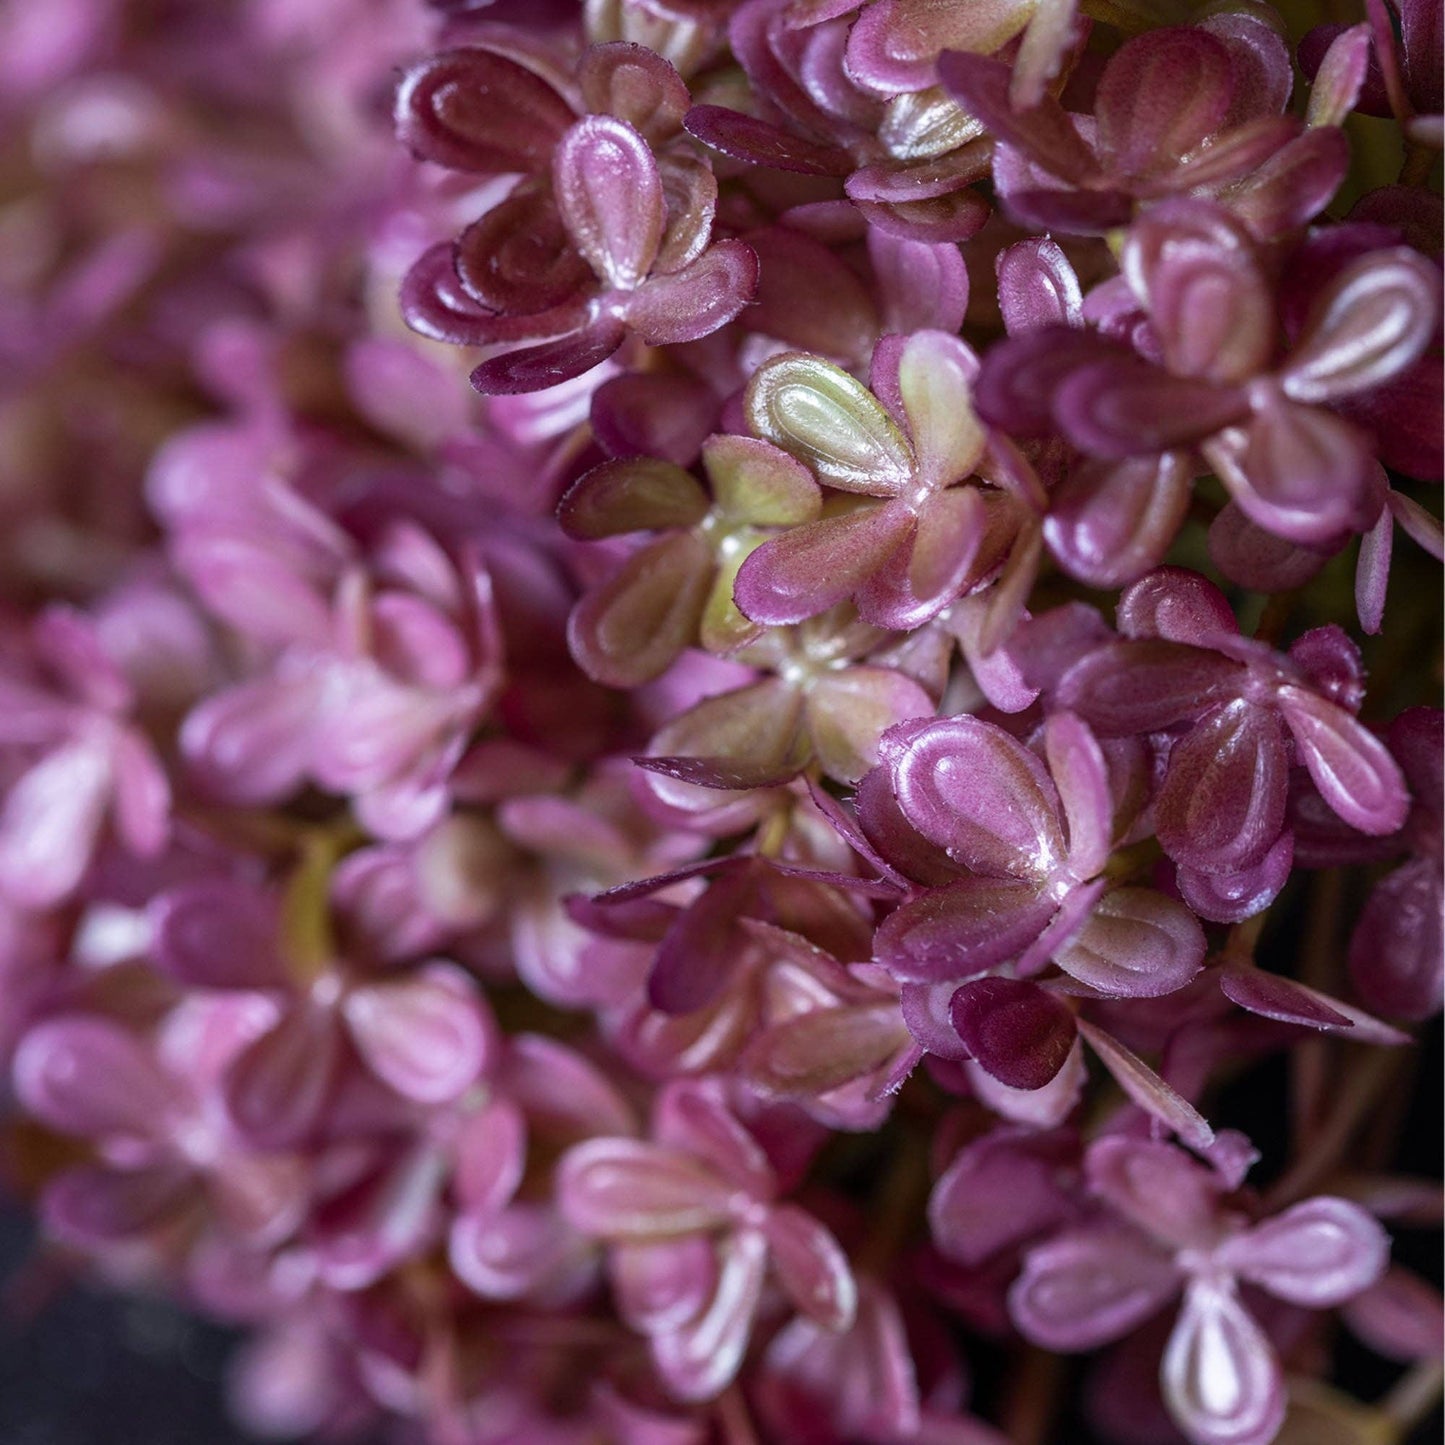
x=689, y=688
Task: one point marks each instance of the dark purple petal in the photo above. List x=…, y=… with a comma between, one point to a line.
x=1017, y=1031
x=1044, y=131
x=475, y=110
x=760, y=143
x=519, y=259
x=92, y=1206
x=1221, y=808
x=535, y=368
x=954, y=932
x=694, y=302
x=277, y=1087
x=1160, y=97
x=1250, y=556
x=1397, y=951
x=634, y=83
x=216, y=933
x=1037, y=287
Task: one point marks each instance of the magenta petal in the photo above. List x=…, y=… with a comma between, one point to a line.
x=92, y=1206
x=1081, y=776
x=1222, y=805
x=1037, y=287
x=610, y=194
x=50, y=824
x=969, y=787
x=424, y=1035
x=1136, y=944
x=252, y=743
x=698, y=1360
x=759, y=143
x=1156, y=1186
x=1160, y=97
x=475, y=110
x=1318, y=1253
x=1350, y=766
x=1088, y=1286
x=953, y=932
x=1221, y=1378
x=812, y=567
x=508, y=1255
x=1397, y=951
x=1043, y=131
x=1400, y=1317
x=535, y=368
x=662, y=1286
x=1298, y=471
x=1110, y=522
x=518, y=259
x=1125, y=408
x=90, y=1077
x=1250, y=556
x=1019, y=1032
x=277, y=1087
x=811, y=1267
x=217, y=933
x=1374, y=319
x=696, y=301
x=1234, y=896
x=692, y=1114
x=1146, y=685
x=624, y=1189
x=1000, y=1189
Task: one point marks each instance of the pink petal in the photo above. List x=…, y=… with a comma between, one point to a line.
x=1220, y=1375
x=1136, y=944
x=696, y=301
x=698, y=1360
x=218, y=933
x=253, y=743
x=90, y=1077
x=811, y=1267
x=425, y=1035
x=1088, y=1286
x=510, y=1255
x=51, y=822
x=1318, y=1253
x=1350, y=766
x=969, y=787
x=1148, y=1090
x=623, y=1189
x=277, y=1088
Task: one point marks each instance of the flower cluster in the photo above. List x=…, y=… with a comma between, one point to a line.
x=689, y=688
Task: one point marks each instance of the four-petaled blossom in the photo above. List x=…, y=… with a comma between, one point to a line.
x=695, y=1227
x=1168, y=1223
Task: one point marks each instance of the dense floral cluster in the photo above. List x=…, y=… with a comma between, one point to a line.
x=679, y=688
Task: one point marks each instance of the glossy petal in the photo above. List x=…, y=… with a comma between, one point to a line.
x=277, y=1088
x=830, y=422
x=1136, y=944
x=811, y=1267
x=1318, y=1253
x=1018, y=1032
x=969, y=787
x=1088, y=1286
x=696, y=301
x=1220, y=1375
x=623, y=1189
x=425, y=1035
x=1350, y=766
